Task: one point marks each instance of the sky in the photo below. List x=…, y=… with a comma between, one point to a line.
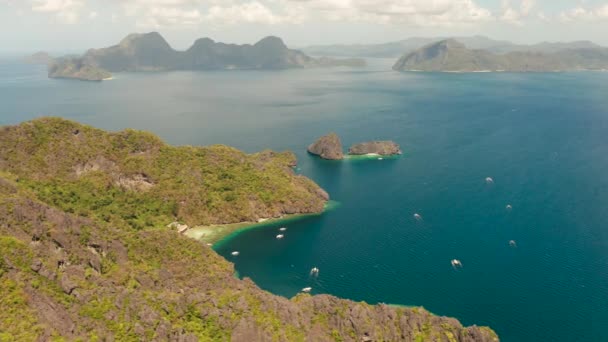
x=76, y=25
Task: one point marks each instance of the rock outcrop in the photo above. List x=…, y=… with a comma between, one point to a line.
x=327, y=147
x=383, y=148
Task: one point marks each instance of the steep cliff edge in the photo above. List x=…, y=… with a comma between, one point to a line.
x=327, y=147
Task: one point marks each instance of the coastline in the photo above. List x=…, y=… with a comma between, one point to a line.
x=370, y=156
x=219, y=234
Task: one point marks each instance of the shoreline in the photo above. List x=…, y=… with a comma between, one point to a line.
x=369, y=156
x=219, y=234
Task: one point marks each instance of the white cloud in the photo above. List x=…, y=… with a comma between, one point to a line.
x=250, y=13
x=67, y=11
x=409, y=12
x=516, y=16
x=270, y=12
x=158, y=17
x=581, y=13
x=93, y=15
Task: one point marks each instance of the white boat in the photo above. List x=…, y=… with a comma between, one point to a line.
x=380, y=158
x=456, y=263
x=280, y=236
x=282, y=229
x=489, y=180
x=418, y=217
x=509, y=207
x=314, y=272
x=307, y=289
x=512, y=243
x=235, y=253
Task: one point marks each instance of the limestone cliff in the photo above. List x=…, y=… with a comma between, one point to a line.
x=327, y=147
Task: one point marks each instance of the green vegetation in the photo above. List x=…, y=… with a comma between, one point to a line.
x=85, y=254
x=132, y=177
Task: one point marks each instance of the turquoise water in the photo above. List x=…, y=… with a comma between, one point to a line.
x=542, y=137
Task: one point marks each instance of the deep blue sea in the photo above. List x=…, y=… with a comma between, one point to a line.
x=543, y=138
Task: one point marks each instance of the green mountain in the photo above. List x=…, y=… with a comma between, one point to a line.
x=85, y=253
x=453, y=56
x=151, y=52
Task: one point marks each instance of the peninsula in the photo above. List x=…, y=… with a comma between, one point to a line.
x=86, y=254
x=151, y=52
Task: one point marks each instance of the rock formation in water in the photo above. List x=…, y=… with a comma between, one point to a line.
x=151, y=52
x=452, y=56
x=375, y=147
x=327, y=147
x=75, y=68
x=85, y=253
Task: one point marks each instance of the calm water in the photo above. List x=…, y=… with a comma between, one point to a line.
x=542, y=137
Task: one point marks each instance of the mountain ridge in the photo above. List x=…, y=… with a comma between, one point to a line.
x=451, y=55
x=151, y=52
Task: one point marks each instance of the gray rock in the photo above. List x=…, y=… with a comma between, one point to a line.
x=327, y=147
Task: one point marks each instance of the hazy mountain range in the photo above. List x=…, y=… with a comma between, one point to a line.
x=151, y=52
x=399, y=48
x=452, y=55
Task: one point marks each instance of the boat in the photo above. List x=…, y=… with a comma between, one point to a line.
x=280, y=236
x=282, y=229
x=314, y=272
x=489, y=180
x=307, y=289
x=380, y=158
x=418, y=217
x=456, y=263
x=509, y=207
x=235, y=253
x=512, y=243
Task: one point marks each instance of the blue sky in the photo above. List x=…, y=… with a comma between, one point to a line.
x=75, y=25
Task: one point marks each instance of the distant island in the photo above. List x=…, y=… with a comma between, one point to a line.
x=330, y=147
x=88, y=250
x=151, y=52
x=399, y=48
x=77, y=69
x=40, y=57
x=451, y=55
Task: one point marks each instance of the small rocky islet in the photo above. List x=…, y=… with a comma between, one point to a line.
x=330, y=147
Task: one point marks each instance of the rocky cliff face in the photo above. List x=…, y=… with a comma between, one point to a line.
x=375, y=147
x=77, y=277
x=327, y=147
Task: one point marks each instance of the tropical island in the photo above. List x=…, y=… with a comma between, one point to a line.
x=151, y=52
x=450, y=55
x=330, y=147
x=86, y=254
